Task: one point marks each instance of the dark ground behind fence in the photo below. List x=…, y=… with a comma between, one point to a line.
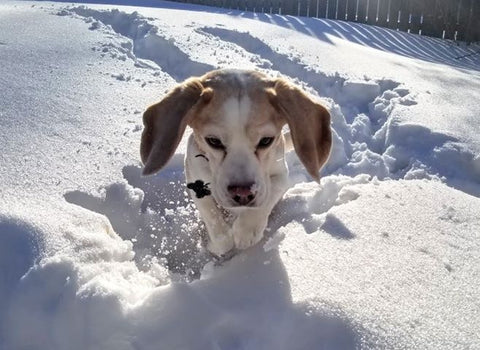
x=449, y=19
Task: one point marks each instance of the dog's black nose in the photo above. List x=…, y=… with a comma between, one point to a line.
x=243, y=194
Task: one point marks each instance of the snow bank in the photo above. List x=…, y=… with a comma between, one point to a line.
x=72, y=279
x=97, y=298
x=410, y=248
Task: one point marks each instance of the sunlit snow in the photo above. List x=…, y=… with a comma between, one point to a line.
x=384, y=253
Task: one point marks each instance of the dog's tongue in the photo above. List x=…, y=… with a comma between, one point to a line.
x=243, y=191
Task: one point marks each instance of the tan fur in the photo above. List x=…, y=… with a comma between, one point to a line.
x=309, y=124
x=274, y=100
x=165, y=123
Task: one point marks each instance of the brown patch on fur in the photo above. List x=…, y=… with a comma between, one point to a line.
x=165, y=123
x=309, y=124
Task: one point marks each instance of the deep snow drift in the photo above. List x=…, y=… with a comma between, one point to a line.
x=384, y=253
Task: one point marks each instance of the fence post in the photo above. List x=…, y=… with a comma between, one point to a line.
x=341, y=9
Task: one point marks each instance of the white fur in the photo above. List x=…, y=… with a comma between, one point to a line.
x=229, y=225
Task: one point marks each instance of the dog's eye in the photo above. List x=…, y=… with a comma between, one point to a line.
x=214, y=142
x=265, y=142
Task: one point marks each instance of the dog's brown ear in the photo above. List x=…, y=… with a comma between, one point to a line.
x=309, y=124
x=165, y=122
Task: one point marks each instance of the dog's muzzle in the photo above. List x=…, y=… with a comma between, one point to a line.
x=242, y=194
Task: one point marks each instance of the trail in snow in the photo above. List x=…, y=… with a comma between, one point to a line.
x=147, y=42
x=367, y=143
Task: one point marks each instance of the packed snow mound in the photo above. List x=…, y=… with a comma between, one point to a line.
x=97, y=298
x=408, y=269
x=383, y=253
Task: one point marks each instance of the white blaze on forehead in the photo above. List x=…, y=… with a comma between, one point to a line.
x=236, y=111
x=242, y=78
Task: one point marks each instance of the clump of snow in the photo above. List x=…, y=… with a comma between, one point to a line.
x=360, y=92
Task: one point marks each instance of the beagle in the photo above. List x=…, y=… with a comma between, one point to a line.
x=235, y=165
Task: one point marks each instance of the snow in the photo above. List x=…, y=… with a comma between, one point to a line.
x=383, y=253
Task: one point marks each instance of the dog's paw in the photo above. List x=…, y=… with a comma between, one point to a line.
x=220, y=244
x=245, y=241
x=245, y=235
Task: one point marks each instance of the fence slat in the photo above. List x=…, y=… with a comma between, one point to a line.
x=430, y=25
x=404, y=15
x=383, y=9
x=351, y=10
x=361, y=11
x=473, y=27
x=393, y=14
x=372, y=11
x=311, y=8
x=341, y=9
x=320, y=8
x=332, y=7
x=462, y=19
x=276, y=6
x=449, y=15
x=289, y=7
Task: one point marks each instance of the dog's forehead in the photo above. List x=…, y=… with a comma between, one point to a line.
x=239, y=100
x=235, y=81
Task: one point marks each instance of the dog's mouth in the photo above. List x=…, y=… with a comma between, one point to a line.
x=232, y=204
x=239, y=198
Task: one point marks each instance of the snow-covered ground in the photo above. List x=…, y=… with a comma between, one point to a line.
x=383, y=254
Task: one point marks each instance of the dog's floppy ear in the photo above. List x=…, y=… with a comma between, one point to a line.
x=309, y=124
x=165, y=123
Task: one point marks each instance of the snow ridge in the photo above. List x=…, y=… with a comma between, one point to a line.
x=148, y=42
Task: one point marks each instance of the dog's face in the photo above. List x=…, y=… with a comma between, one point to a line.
x=239, y=131
x=237, y=118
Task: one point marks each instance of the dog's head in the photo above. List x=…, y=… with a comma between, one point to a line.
x=237, y=118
